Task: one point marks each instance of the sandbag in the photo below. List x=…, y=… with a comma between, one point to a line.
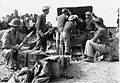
x=25, y=75
x=42, y=72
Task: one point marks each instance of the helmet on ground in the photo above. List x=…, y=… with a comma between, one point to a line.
x=73, y=17
x=99, y=20
x=45, y=8
x=65, y=10
x=15, y=22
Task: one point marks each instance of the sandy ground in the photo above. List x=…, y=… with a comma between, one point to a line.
x=98, y=72
x=84, y=72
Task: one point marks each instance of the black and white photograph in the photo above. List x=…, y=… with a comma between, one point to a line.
x=59, y=41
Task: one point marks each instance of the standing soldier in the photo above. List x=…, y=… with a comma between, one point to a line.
x=61, y=20
x=66, y=35
x=41, y=29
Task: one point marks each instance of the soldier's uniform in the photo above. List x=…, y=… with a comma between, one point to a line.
x=8, y=40
x=40, y=30
x=61, y=20
x=99, y=42
x=66, y=35
x=89, y=22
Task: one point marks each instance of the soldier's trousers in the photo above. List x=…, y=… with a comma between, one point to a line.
x=65, y=43
x=91, y=47
x=41, y=42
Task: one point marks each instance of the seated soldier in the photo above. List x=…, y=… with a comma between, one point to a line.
x=29, y=24
x=100, y=41
x=8, y=40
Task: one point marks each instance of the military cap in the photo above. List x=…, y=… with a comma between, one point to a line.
x=45, y=8
x=73, y=17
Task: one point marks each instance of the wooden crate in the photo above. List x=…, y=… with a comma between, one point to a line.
x=31, y=60
x=25, y=58
x=34, y=56
x=22, y=59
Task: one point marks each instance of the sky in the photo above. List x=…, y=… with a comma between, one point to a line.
x=107, y=9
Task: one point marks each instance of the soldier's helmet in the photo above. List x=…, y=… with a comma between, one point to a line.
x=99, y=20
x=15, y=22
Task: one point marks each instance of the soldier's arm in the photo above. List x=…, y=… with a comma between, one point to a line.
x=97, y=35
x=38, y=23
x=6, y=42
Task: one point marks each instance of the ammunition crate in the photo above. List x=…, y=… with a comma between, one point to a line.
x=22, y=59
x=34, y=56
x=25, y=58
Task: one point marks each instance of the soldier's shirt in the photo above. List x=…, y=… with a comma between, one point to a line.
x=8, y=38
x=90, y=25
x=41, y=23
x=69, y=26
x=61, y=20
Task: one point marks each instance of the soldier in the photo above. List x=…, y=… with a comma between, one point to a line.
x=68, y=30
x=61, y=20
x=9, y=39
x=41, y=29
x=100, y=41
x=35, y=18
x=29, y=24
x=5, y=22
x=89, y=22
x=15, y=14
